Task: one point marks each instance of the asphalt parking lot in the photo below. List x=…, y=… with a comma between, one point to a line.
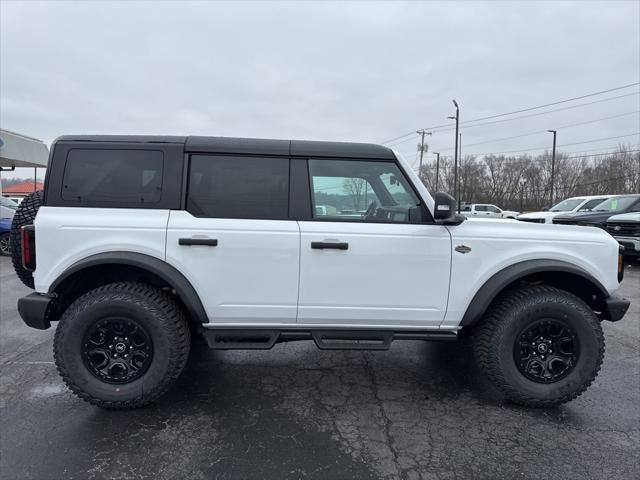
x=418, y=411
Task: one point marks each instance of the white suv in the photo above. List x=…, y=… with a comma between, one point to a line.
x=141, y=242
x=570, y=205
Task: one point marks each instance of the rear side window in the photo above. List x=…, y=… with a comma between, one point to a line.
x=114, y=176
x=238, y=187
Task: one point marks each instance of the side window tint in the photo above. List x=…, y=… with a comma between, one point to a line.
x=591, y=204
x=481, y=208
x=119, y=176
x=366, y=191
x=238, y=187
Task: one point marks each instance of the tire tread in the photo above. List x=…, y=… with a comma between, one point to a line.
x=489, y=330
x=175, y=326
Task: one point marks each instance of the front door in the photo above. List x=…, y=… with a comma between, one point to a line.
x=368, y=257
x=235, y=243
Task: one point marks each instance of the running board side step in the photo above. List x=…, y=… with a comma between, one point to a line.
x=264, y=339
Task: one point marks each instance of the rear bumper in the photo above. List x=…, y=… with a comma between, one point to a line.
x=34, y=310
x=615, y=308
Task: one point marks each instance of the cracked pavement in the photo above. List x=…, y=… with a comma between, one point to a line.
x=418, y=411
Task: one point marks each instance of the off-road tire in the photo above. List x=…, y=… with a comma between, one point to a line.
x=25, y=215
x=5, y=244
x=152, y=308
x=510, y=315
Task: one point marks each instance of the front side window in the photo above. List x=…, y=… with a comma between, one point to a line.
x=238, y=187
x=588, y=206
x=353, y=190
x=116, y=176
x=617, y=204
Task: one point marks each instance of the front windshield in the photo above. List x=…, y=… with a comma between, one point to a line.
x=7, y=202
x=567, y=205
x=616, y=204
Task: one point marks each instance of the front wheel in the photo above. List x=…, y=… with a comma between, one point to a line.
x=122, y=345
x=540, y=346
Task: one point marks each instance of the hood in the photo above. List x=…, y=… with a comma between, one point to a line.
x=589, y=217
x=631, y=217
x=511, y=230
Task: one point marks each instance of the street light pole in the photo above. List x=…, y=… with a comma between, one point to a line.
x=455, y=155
x=423, y=133
x=553, y=163
x=437, y=168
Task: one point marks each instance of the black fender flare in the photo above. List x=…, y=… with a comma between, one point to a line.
x=160, y=268
x=492, y=287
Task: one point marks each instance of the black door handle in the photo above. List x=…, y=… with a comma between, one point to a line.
x=211, y=242
x=333, y=245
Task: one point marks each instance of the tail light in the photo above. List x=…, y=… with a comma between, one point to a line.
x=28, y=237
x=620, y=264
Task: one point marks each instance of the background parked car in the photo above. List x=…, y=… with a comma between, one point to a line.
x=7, y=208
x=5, y=228
x=570, y=205
x=626, y=229
x=486, y=210
x=598, y=216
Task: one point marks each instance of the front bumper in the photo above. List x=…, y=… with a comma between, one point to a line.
x=615, y=308
x=35, y=309
x=631, y=244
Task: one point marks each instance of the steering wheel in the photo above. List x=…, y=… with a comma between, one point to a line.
x=371, y=209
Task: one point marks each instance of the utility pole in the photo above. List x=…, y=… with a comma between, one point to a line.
x=455, y=155
x=437, y=168
x=553, y=163
x=421, y=148
x=460, y=173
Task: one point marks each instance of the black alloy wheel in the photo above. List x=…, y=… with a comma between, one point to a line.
x=546, y=351
x=117, y=350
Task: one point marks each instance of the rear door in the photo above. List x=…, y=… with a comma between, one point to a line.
x=235, y=242
x=370, y=257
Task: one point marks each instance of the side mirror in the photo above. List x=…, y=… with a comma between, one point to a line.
x=445, y=210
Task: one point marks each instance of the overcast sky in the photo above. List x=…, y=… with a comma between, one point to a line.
x=329, y=71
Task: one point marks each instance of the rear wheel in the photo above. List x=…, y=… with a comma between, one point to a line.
x=540, y=346
x=122, y=345
x=25, y=215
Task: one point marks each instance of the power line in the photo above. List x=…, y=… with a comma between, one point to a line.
x=562, y=156
x=545, y=131
x=527, y=110
x=563, y=153
x=563, y=145
x=450, y=129
x=553, y=103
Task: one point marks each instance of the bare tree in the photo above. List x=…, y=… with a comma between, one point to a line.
x=356, y=189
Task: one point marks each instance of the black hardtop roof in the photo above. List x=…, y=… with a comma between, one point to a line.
x=249, y=146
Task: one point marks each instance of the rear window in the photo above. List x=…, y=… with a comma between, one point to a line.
x=238, y=187
x=115, y=176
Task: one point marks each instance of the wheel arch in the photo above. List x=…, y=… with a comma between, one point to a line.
x=557, y=273
x=103, y=268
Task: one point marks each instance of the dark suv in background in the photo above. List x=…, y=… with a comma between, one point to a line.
x=598, y=216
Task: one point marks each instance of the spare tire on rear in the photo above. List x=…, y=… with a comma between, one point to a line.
x=25, y=215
